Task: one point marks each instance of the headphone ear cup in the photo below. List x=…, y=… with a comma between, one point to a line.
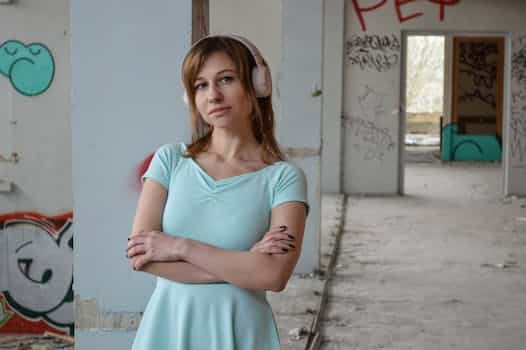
x=262, y=81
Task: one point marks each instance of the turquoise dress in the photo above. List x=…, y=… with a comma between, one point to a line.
x=233, y=214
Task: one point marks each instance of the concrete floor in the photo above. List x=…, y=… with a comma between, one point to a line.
x=443, y=267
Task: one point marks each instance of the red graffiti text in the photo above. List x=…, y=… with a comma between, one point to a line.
x=402, y=14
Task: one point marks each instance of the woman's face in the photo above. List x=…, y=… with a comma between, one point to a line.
x=220, y=96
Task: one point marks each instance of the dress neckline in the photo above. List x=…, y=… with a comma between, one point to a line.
x=229, y=178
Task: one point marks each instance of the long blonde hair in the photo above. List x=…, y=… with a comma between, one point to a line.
x=262, y=119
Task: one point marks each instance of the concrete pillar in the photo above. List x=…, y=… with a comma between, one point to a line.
x=126, y=58
x=331, y=155
x=300, y=126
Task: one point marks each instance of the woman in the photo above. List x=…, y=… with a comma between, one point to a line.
x=219, y=221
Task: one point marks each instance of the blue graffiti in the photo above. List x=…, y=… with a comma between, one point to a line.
x=472, y=147
x=29, y=68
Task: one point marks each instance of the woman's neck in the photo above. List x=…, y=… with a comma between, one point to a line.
x=234, y=147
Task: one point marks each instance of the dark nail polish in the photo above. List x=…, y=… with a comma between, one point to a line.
x=129, y=238
x=291, y=237
x=283, y=228
x=292, y=246
x=285, y=250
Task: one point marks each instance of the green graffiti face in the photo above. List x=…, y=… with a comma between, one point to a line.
x=29, y=68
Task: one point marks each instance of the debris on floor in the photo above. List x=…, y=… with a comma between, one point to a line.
x=504, y=265
x=298, y=333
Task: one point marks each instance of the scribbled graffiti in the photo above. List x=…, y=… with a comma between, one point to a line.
x=29, y=68
x=37, y=273
x=469, y=147
x=518, y=103
x=371, y=103
x=362, y=7
x=478, y=65
x=518, y=67
x=378, y=52
x=476, y=95
x=518, y=127
x=371, y=140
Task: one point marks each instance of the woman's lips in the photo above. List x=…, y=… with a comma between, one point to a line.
x=218, y=111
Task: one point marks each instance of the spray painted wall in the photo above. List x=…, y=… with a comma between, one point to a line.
x=372, y=82
x=36, y=222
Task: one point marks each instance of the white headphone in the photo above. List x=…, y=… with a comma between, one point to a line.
x=261, y=78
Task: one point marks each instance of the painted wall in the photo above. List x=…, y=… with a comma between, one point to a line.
x=372, y=83
x=125, y=103
x=36, y=222
x=293, y=49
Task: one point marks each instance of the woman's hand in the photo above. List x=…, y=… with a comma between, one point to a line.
x=146, y=247
x=276, y=241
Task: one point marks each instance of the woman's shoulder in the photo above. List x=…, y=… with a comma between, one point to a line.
x=173, y=148
x=171, y=153
x=286, y=169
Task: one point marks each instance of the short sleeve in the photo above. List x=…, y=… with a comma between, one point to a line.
x=161, y=165
x=291, y=186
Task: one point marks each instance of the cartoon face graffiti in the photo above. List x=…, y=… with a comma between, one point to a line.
x=30, y=68
x=39, y=269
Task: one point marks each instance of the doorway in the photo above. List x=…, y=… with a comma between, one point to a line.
x=452, y=100
x=424, y=96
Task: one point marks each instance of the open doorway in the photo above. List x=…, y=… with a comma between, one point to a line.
x=453, y=101
x=424, y=96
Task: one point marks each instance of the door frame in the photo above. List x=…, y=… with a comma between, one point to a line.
x=506, y=97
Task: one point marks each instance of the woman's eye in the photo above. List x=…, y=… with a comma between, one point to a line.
x=227, y=79
x=200, y=86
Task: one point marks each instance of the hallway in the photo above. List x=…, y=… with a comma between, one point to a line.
x=443, y=267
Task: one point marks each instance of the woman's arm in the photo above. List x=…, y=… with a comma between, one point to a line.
x=180, y=271
x=250, y=270
x=148, y=217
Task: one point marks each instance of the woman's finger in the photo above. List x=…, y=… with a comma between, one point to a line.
x=281, y=228
x=278, y=236
x=140, y=261
x=136, y=241
x=278, y=247
x=136, y=250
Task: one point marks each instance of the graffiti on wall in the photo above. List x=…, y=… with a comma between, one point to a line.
x=368, y=136
x=371, y=140
x=371, y=103
x=518, y=67
x=30, y=68
x=36, y=281
x=404, y=9
x=141, y=169
x=478, y=65
x=378, y=52
x=469, y=147
x=518, y=103
x=518, y=127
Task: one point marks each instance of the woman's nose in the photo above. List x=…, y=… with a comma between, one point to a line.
x=214, y=93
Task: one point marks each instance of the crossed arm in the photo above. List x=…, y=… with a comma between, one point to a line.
x=188, y=261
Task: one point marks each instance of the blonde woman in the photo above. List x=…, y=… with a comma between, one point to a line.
x=220, y=221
